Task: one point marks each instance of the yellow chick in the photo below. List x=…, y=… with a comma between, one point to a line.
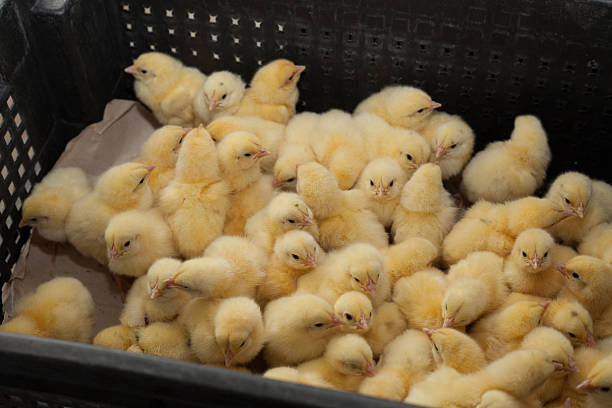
x=219, y=96
x=381, y=181
x=357, y=267
x=476, y=286
x=285, y=212
x=167, y=87
x=407, y=257
x=47, y=207
x=530, y=267
x=597, y=384
x=387, y=323
x=501, y=399
x=598, y=242
x=426, y=209
x=167, y=340
x=560, y=351
x=239, y=158
x=161, y=150
x=455, y=349
x=401, y=106
x=355, y=309
x=290, y=374
x=297, y=329
x=511, y=169
x=295, y=253
x=385, y=384
x=61, y=308
x=451, y=140
x=150, y=300
x=342, y=216
x=272, y=93
x=503, y=330
x=118, y=337
x=572, y=319
x=120, y=188
x=347, y=360
x=419, y=297
x=584, y=202
x=229, y=331
x=586, y=358
x=195, y=203
x=137, y=238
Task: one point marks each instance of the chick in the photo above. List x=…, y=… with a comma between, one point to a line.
x=47, y=207
x=167, y=87
x=284, y=213
x=289, y=159
x=598, y=242
x=387, y=323
x=229, y=331
x=272, y=93
x=195, y=203
x=137, y=238
x=401, y=106
x=560, y=351
x=584, y=202
x=219, y=96
x=355, y=309
x=385, y=384
x=120, y=188
x=61, y=308
x=347, y=360
x=457, y=350
x=530, y=267
x=295, y=253
x=503, y=330
x=511, y=169
x=476, y=286
x=149, y=300
x=291, y=374
x=167, y=340
x=297, y=329
x=357, y=267
x=420, y=297
x=342, y=216
x=408, y=257
x=161, y=150
x=586, y=358
x=239, y=158
x=572, y=319
x=119, y=337
x=426, y=209
x=501, y=399
x=598, y=383
x=382, y=181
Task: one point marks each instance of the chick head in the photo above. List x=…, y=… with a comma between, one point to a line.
x=382, y=179
x=198, y=158
x=298, y=249
x=364, y=268
x=124, y=235
x=47, y=211
x=409, y=107
x=446, y=343
x=125, y=186
x=155, y=69
x=318, y=188
x=223, y=90
x=310, y=314
x=241, y=150
x=355, y=309
x=555, y=345
x=410, y=150
x=599, y=383
x=452, y=144
x=423, y=191
x=521, y=317
x=586, y=274
x=350, y=354
x=532, y=250
x=206, y=275
x=572, y=319
x=571, y=191
x=158, y=273
x=239, y=329
x=289, y=211
x=163, y=145
x=459, y=306
x=277, y=80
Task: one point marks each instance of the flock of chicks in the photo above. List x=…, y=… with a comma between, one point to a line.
x=467, y=307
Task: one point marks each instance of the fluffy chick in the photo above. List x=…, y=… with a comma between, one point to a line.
x=137, y=238
x=598, y=383
x=239, y=158
x=347, y=360
x=355, y=309
x=295, y=253
x=455, y=349
x=476, y=286
x=530, y=267
x=584, y=202
x=598, y=242
x=297, y=329
x=408, y=257
x=342, y=216
x=285, y=212
x=47, y=207
x=426, y=209
x=511, y=169
x=420, y=297
x=290, y=374
x=387, y=323
x=572, y=319
x=272, y=93
x=382, y=180
x=219, y=96
x=167, y=87
x=195, y=203
x=120, y=188
x=501, y=399
x=167, y=340
x=61, y=308
x=118, y=337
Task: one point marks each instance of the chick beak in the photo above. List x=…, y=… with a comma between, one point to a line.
x=310, y=261
x=435, y=105
x=590, y=339
x=149, y=168
x=371, y=287
x=571, y=366
x=131, y=70
x=363, y=323
x=429, y=332
x=545, y=303
x=336, y=321
x=156, y=292
x=262, y=152
x=187, y=129
x=306, y=221
x=448, y=322
x=23, y=223
x=369, y=371
x=212, y=102
x=586, y=386
x=579, y=211
x=380, y=190
x=299, y=69
x=114, y=254
x=440, y=152
x=561, y=268
x=170, y=283
x=228, y=356
x=536, y=262
x=276, y=183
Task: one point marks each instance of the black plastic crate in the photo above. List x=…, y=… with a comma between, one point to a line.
x=61, y=61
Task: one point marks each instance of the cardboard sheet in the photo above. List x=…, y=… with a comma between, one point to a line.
x=116, y=139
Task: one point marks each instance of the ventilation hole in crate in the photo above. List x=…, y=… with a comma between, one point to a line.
x=132, y=45
x=18, y=203
x=520, y=60
x=422, y=48
x=149, y=29
x=193, y=34
x=125, y=7
x=594, y=65
x=541, y=83
x=191, y=15
x=212, y=19
x=569, y=68
x=447, y=52
x=7, y=137
x=7, y=258
x=171, y=31
x=236, y=40
x=11, y=188
x=152, y=47
x=280, y=28
x=21, y=170
x=25, y=137
x=173, y=50
x=495, y=57
x=419, y=68
x=9, y=221
x=237, y=59
x=28, y=186
x=194, y=53
x=4, y=172
x=235, y=21
x=128, y=26
x=259, y=62
x=349, y=37
x=15, y=154
x=374, y=41
x=169, y=13
x=303, y=31
x=214, y=37
x=258, y=44
x=281, y=47
x=398, y=44
x=10, y=102
x=471, y=53
x=491, y=76
x=257, y=23
x=468, y=74
x=544, y=65
x=147, y=9
x=31, y=152
x=216, y=56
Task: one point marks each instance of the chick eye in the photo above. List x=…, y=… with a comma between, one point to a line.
x=144, y=71
x=289, y=180
x=370, y=314
x=243, y=343
x=247, y=155
x=567, y=201
x=545, y=254
x=436, y=347
x=291, y=77
x=348, y=316
x=572, y=335
x=141, y=180
x=127, y=244
x=421, y=110
x=453, y=146
x=409, y=157
x=357, y=280
x=371, y=183
x=291, y=221
x=605, y=389
x=224, y=95
x=34, y=219
x=181, y=140
x=318, y=325
x=524, y=254
x=391, y=183
x=295, y=256
x=575, y=275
